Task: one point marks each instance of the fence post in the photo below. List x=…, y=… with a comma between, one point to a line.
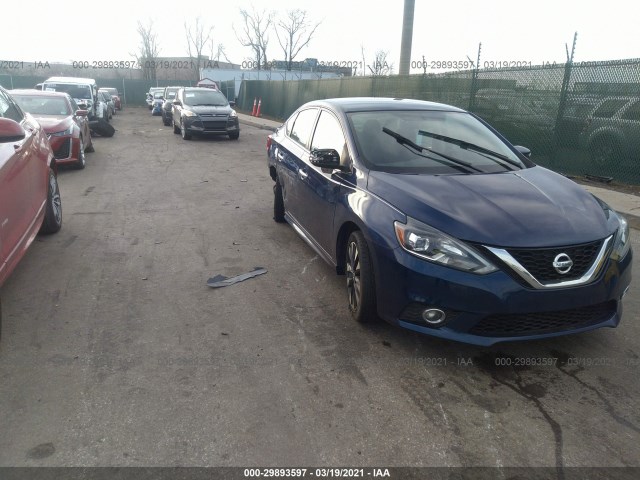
x=474, y=81
x=564, y=92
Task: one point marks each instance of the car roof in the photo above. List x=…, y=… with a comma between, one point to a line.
x=70, y=80
x=370, y=104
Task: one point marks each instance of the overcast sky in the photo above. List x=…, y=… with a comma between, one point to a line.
x=534, y=31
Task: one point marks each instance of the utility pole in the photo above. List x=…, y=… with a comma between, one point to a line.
x=407, y=37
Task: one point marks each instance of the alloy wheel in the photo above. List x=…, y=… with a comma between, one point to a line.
x=354, y=288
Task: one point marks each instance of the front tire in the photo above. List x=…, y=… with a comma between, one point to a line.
x=183, y=132
x=82, y=160
x=176, y=129
x=360, y=280
x=278, y=203
x=234, y=136
x=53, y=209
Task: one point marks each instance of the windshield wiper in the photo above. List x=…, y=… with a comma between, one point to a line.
x=474, y=148
x=404, y=141
x=208, y=105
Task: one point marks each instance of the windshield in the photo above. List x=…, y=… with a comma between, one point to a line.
x=74, y=90
x=204, y=97
x=429, y=141
x=38, y=105
x=171, y=93
x=158, y=95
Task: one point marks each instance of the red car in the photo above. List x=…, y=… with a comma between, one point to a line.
x=29, y=194
x=66, y=125
x=114, y=95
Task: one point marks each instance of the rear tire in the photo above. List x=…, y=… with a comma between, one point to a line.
x=53, y=209
x=360, y=281
x=278, y=203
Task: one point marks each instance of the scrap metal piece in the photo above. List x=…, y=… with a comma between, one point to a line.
x=222, y=281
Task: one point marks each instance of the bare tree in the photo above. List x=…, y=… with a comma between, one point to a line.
x=217, y=52
x=148, y=50
x=198, y=37
x=255, y=26
x=296, y=33
x=381, y=65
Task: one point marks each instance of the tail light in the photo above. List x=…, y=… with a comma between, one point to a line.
x=269, y=140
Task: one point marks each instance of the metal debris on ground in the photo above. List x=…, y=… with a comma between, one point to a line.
x=222, y=281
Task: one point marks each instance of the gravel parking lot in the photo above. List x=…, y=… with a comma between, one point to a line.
x=115, y=352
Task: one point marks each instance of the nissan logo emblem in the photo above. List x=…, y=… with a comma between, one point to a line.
x=562, y=263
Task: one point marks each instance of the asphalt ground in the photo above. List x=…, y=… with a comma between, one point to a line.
x=116, y=353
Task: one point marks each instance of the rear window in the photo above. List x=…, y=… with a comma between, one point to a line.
x=74, y=90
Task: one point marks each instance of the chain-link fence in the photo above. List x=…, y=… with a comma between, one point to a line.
x=577, y=118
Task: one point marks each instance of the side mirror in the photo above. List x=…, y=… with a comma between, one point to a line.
x=326, y=158
x=11, y=131
x=232, y=103
x=82, y=113
x=176, y=102
x=523, y=150
x=82, y=105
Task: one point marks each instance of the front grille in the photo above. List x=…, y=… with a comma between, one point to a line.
x=64, y=150
x=517, y=325
x=539, y=261
x=215, y=125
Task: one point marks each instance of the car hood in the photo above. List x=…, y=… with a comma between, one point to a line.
x=54, y=123
x=533, y=207
x=225, y=110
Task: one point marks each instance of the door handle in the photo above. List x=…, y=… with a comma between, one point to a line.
x=302, y=174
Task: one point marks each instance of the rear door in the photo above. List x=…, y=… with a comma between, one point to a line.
x=291, y=153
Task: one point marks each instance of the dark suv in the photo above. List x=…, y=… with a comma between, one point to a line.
x=611, y=133
x=167, y=107
x=203, y=111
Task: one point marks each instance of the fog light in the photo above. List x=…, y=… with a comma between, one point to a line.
x=433, y=316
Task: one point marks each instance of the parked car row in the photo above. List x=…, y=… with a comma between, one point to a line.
x=442, y=226
x=40, y=130
x=29, y=194
x=196, y=111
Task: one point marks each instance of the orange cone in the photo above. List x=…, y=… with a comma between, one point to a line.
x=259, y=106
x=253, y=113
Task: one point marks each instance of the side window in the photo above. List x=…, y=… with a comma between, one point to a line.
x=609, y=108
x=303, y=126
x=633, y=112
x=8, y=109
x=328, y=134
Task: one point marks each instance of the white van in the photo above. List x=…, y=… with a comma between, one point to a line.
x=83, y=90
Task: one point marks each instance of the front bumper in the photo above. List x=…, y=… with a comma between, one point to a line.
x=492, y=308
x=66, y=150
x=197, y=126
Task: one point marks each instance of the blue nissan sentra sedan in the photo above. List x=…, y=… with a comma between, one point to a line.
x=441, y=226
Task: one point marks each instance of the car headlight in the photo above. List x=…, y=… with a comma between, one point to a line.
x=64, y=133
x=189, y=113
x=426, y=242
x=233, y=113
x=622, y=243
